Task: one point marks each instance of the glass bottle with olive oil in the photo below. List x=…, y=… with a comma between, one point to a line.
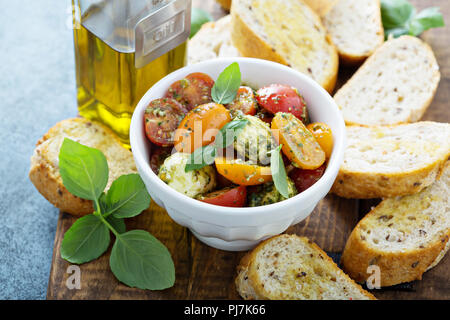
x=123, y=47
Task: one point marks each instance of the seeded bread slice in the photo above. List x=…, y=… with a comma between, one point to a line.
x=44, y=172
x=356, y=28
x=389, y=161
x=288, y=32
x=213, y=40
x=321, y=7
x=403, y=236
x=396, y=84
x=288, y=267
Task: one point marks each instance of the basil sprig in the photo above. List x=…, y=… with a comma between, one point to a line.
x=198, y=18
x=205, y=155
x=137, y=259
x=278, y=170
x=227, y=84
x=399, y=18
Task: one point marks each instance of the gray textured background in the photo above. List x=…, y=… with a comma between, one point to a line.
x=37, y=89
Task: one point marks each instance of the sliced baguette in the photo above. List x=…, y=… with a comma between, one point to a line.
x=389, y=161
x=321, y=7
x=213, y=40
x=355, y=28
x=44, y=172
x=288, y=32
x=288, y=267
x=395, y=85
x=403, y=236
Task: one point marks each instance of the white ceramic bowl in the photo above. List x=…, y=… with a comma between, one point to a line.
x=237, y=229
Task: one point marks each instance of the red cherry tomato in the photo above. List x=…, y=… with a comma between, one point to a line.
x=303, y=179
x=245, y=101
x=280, y=98
x=192, y=91
x=159, y=154
x=227, y=197
x=161, y=119
x=265, y=116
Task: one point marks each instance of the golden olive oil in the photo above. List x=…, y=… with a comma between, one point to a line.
x=109, y=85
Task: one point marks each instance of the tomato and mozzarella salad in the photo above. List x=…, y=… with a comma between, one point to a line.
x=194, y=154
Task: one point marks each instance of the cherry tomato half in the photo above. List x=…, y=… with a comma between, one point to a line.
x=323, y=135
x=161, y=119
x=280, y=98
x=242, y=173
x=159, y=154
x=200, y=126
x=303, y=179
x=192, y=91
x=227, y=197
x=245, y=101
x=299, y=145
x=265, y=116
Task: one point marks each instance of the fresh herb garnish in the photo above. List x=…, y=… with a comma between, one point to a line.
x=227, y=84
x=137, y=259
x=279, y=172
x=400, y=18
x=205, y=155
x=198, y=18
x=224, y=91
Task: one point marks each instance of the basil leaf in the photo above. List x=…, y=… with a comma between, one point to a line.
x=228, y=133
x=84, y=170
x=87, y=239
x=140, y=260
x=400, y=18
x=426, y=19
x=198, y=18
x=396, y=13
x=201, y=157
x=279, y=172
x=127, y=197
x=117, y=223
x=227, y=84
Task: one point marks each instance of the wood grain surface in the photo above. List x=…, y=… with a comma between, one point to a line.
x=206, y=273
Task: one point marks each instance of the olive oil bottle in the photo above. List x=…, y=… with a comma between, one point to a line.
x=117, y=63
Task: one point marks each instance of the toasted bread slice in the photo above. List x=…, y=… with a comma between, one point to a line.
x=396, y=84
x=213, y=40
x=355, y=28
x=389, y=161
x=321, y=7
x=288, y=267
x=288, y=32
x=44, y=172
x=403, y=236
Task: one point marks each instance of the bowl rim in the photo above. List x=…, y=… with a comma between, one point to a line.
x=327, y=179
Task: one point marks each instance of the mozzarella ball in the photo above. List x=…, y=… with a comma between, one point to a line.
x=191, y=183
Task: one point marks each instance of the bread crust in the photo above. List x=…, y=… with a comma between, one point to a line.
x=350, y=59
x=395, y=267
x=417, y=114
x=247, y=265
x=45, y=176
x=367, y=185
x=249, y=44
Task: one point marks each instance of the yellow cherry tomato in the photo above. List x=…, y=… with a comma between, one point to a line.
x=242, y=173
x=299, y=145
x=323, y=135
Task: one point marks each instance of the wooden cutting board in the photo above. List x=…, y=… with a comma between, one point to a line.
x=206, y=273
